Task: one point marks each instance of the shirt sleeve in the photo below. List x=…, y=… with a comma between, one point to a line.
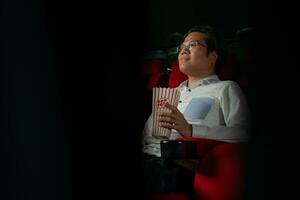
x=150, y=144
x=147, y=131
x=236, y=117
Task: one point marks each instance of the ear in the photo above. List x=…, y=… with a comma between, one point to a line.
x=213, y=56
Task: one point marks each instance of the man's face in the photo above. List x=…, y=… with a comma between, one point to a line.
x=193, y=59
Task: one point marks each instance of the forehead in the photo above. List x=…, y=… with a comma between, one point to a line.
x=195, y=36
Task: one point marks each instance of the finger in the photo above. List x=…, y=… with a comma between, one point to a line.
x=165, y=119
x=167, y=114
x=174, y=116
x=172, y=108
x=170, y=126
x=166, y=125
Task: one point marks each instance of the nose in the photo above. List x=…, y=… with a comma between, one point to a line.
x=185, y=50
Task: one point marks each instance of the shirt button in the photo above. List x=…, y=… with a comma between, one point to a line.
x=179, y=101
x=189, y=90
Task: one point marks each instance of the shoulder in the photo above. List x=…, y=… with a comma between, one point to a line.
x=228, y=84
x=230, y=89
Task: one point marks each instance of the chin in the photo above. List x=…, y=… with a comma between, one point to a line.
x=183, y=69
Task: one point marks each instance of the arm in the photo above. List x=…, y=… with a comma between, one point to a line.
x=150, y=144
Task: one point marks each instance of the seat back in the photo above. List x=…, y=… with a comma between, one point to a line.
x=155, y=70
x=221, y=173
x=176, y=76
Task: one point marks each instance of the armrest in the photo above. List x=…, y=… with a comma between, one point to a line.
x=203, y=145
x=182, y=153
x=177, y=149
x=187, y=148
x=187, y=152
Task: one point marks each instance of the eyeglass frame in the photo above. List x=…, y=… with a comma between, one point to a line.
x=190, y=46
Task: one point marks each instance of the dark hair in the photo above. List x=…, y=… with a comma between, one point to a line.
x=213, y=41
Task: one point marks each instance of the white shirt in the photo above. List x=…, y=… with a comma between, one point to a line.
x=216, y=110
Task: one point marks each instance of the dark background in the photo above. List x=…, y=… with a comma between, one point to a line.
x=72, y=106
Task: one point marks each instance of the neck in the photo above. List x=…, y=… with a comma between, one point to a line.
x=192, y=80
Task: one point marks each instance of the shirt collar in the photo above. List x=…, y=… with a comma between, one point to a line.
x=204, y=81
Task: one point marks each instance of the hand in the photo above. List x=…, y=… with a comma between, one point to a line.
x=175, y=120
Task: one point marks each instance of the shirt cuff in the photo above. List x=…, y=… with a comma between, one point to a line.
x=199, y=131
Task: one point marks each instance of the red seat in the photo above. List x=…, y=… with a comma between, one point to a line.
x=153, y=70
x=176, y=76
x=221, y=171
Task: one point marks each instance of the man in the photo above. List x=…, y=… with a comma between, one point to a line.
x=208, y=107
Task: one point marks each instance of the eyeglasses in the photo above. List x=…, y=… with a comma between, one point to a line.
x=190, y=46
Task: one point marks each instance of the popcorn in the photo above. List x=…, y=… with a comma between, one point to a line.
x=160, y=97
